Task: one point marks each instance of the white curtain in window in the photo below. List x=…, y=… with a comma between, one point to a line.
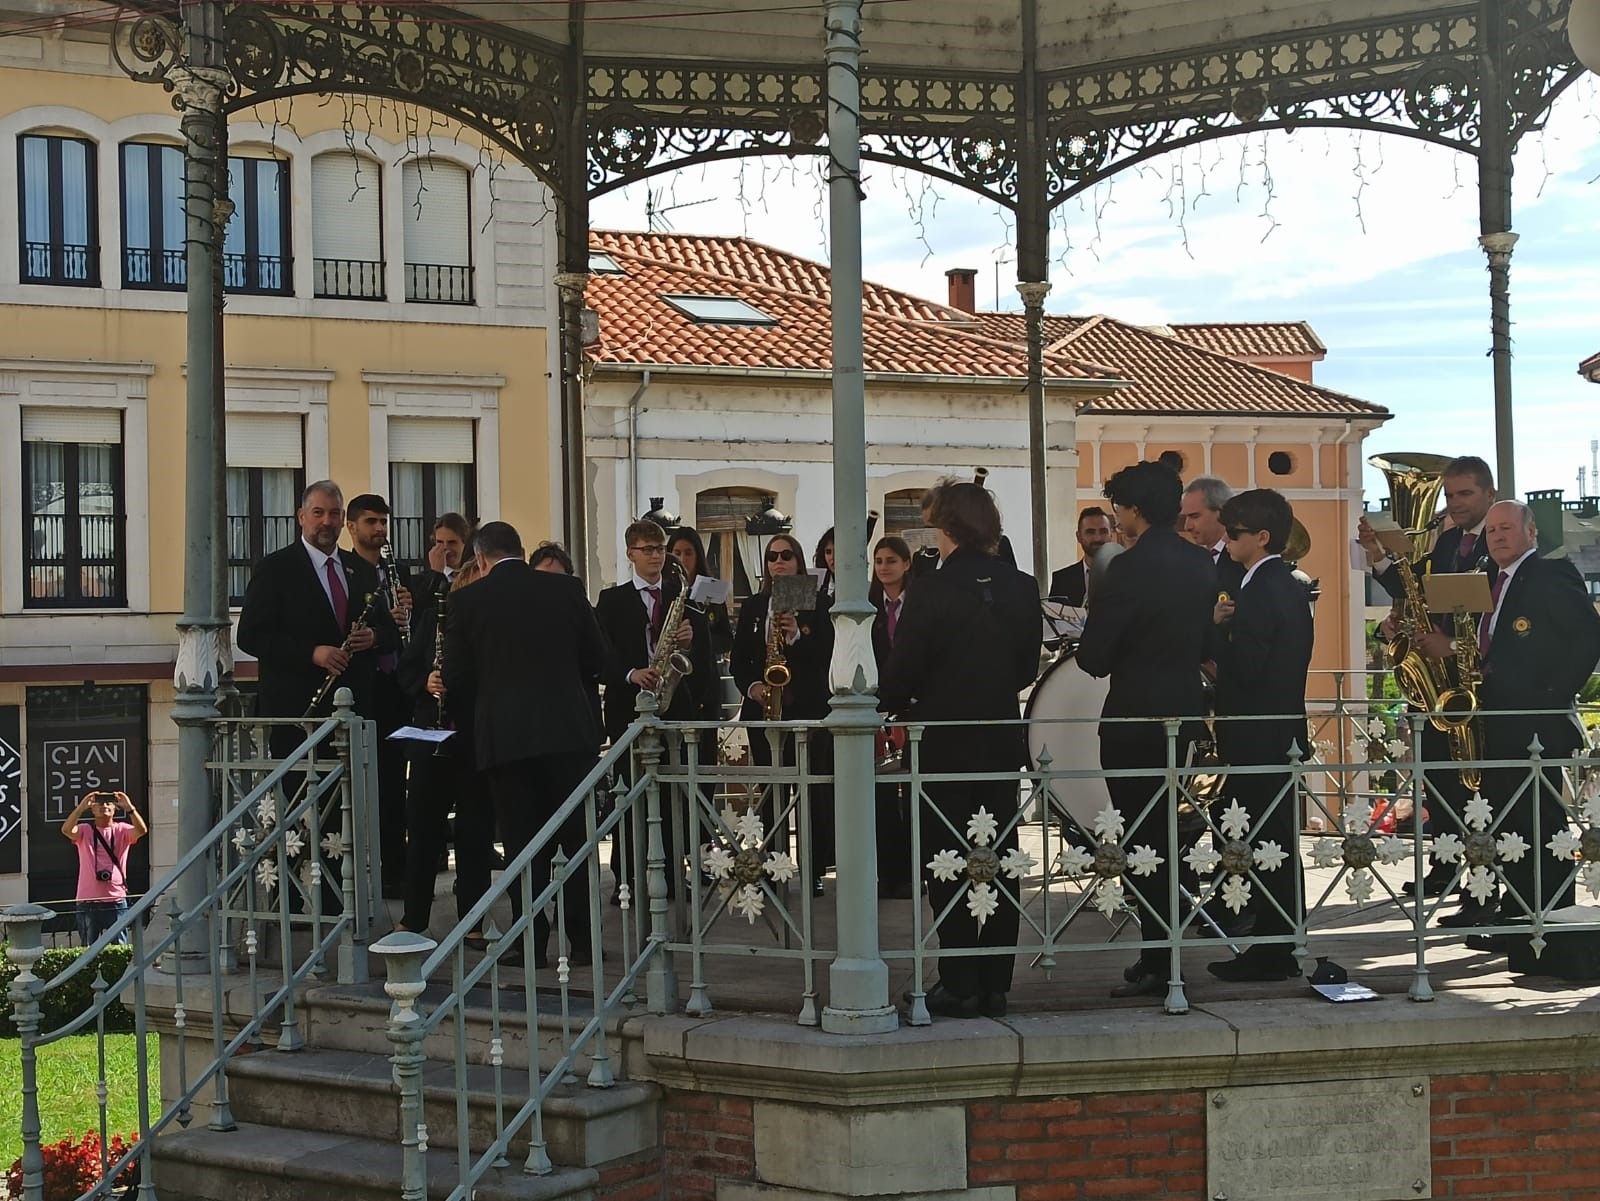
x=346, y=207
x=75, y=193
x=36, y=189
x=438, y=215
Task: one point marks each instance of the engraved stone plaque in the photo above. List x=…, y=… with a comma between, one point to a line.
x=1358, y=1140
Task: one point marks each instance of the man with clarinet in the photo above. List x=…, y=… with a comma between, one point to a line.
x=313, y=618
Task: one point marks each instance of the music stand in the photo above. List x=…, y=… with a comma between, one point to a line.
x=1458, y=592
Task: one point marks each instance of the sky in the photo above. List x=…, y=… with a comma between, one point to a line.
x=1371, y=238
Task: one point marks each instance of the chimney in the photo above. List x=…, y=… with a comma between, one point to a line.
x=963, y=288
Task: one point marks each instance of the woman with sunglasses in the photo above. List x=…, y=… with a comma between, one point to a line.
x=806, y=640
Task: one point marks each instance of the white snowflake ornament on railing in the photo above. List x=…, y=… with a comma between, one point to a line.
x=1480, y=849
x=1358, y=851
x=333, y=845
x=739, y=870
x=1582, y=846
x=1110, y=861
x=267, y=811
x=1236, y=858
x=267, y=875
x=293, y=843
x=982, y=866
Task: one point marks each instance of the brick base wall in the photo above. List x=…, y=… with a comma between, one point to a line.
x=1524, y=1136
x=704, y=1138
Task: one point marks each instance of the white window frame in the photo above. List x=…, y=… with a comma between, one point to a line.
x=62, y=384
x=469, y=397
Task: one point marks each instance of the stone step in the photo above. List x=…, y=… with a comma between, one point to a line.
x=353, y=1093
x=356, y=1017
x=271, y=1163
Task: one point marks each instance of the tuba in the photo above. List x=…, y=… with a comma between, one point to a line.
x=1446, y=690
x=669, y=663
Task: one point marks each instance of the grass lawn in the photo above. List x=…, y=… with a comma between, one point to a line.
x=68, y=1071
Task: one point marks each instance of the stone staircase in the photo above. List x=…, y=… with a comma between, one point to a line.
x=323, y=1122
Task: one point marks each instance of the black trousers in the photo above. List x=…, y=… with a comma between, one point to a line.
x=819, y=852
x=894, y=832
x=441, y=785
x=950, y=804
x=394, y=711
x=1509, y=738
x=1273, y=803
x=1133, y=745
x=527, y=793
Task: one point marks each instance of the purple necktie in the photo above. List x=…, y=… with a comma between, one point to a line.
x=336, y=592
x=1483, y=622
x=658, y=615
x=1469, y=543
x=892, y=616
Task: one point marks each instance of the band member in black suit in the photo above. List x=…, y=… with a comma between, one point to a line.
x=443, y=776
x=1539, y=645
x=298, y=614
x=891, y=573
x=1263, y=655
x=631, y=616
x=446, y=552
x=1200, y=521
x=520, y=649
x=1468, y=494
x=367, y=522
x=1094, y=531
x=685, y=546
x=1149, y=630
x=806, y=643
x=966, y=645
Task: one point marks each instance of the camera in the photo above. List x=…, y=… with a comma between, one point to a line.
x=103, y=875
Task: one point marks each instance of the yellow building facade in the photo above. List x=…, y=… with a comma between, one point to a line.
x=388, y=314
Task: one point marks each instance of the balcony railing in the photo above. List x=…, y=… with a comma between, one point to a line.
x=348, y=279
x=435, y=283
x=92, y=577
x=154, y=269
x=60, y=263
x=263, y=274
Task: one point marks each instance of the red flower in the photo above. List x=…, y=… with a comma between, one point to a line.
x=72, y=1166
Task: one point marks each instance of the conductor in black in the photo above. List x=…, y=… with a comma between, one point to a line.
x=521, y=647
x=1149, y=629
x=965, y=646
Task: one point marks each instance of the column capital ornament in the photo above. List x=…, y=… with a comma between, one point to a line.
x=572, y=283
x=1033, y=292
x=1498, y=247
x=199, y=89
x=205, y=655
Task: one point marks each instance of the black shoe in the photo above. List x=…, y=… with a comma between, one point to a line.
x=1472, y=913
x=816, y=887
x=943, y=1003
x=1497, y=943
x=1133, y=971
x=1145, y=984
x=580, y=957
x=1248, y=967
x=1435, y=884
x=992, y=1004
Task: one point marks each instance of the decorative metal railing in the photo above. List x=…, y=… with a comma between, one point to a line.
x=347, y=279
x=276, y=892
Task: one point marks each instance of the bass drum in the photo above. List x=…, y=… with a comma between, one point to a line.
x=1063, y=715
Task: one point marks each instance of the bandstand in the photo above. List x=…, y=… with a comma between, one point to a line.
x=715, y=1050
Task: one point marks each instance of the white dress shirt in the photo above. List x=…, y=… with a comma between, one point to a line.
x=1505, y=583
x=319, y=564
x=1244, y=583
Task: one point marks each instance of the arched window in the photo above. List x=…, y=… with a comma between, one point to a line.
x=731, y=554
x=255, y=249
x=347, y=226
x=59, y=226
x=437, y=196
x=152, y=216
x=902, y=510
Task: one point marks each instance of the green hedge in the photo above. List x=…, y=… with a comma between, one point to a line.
x=61, y=1005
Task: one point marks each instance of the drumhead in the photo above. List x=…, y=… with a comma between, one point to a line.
x=1063, y=714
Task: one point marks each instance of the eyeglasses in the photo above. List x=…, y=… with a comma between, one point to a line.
x=1238, y=531
x=779, y=556
x=654, y=549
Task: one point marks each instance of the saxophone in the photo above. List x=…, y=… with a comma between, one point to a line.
x=669, y=663
x=1457, y=715
x=775, y=673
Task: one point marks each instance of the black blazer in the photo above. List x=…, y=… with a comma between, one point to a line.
x=1546, y=643
x=1149, y=628
x=520, y=649
x=881, y=645
x=1263, y=655
x=1444, y=557
x=623, y=613
x=967, y=643
x=808, y=658
x=286, y=616
x=1069, y=584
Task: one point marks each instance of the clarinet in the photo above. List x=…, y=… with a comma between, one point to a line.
x=441, y=601
x=391, y=592
x=360, y=623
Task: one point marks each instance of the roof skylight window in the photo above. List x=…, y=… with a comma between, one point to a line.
x=604, y=264
x=719, y=310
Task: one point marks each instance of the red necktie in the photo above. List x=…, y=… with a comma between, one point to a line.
x=1464, y=554
x=336, y=592
x=657, y=614
x=1483, y=622
x=892, y=615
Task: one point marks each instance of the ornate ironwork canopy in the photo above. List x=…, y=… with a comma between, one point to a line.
x=955, y=90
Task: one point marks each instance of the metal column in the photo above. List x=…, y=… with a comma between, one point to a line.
x=858, y=978
x=1033, y=283
x=1494, y=225
x=205, y=654
x=572, y=238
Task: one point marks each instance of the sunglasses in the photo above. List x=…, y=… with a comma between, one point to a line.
x=779, y=556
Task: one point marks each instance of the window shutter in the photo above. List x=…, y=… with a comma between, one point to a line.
x=438, y=216
x=102, y=426
x=430, y=440
x=264, y=440
x=346, y=208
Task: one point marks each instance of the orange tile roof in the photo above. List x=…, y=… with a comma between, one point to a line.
x=1175, y=378
x=1590, y=368
x=1253, y=339
x=904, y=335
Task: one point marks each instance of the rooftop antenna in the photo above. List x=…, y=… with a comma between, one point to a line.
x=655, y=214
x=1594, y=460
x=1583, y=473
